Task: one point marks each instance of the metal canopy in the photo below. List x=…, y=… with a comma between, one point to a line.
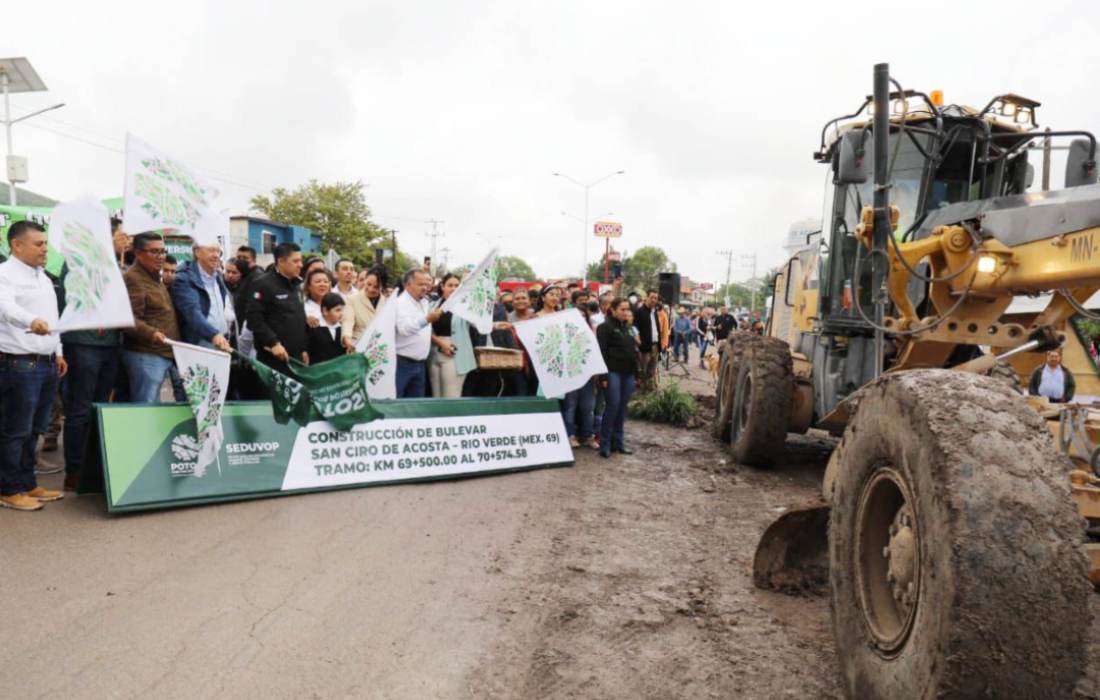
x=21, y=75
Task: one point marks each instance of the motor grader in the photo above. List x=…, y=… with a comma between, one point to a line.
x=950, y=529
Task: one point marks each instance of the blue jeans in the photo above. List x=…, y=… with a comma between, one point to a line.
x=146, y=373
x=577, y=411
x=93, y=370
x=620, y=387
x=702, y=351
x=680, y=346
x=411, y=378
x=27, y=389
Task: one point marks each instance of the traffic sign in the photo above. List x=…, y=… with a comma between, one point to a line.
x=608, y=229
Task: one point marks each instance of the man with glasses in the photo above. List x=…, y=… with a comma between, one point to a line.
x=146, y=355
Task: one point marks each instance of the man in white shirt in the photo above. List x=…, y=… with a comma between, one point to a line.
x=345, y=280
x=30, y=364
x=414, y=334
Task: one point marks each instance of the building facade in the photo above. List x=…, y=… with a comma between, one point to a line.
x=264, y=235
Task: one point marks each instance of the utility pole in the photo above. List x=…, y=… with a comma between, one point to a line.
x=17, y=75
x=446, y=256
x=584, y=241
x=434, y=235
x=729, y=267
x=752, y=281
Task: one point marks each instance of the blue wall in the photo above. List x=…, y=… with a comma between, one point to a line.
x=309, y=241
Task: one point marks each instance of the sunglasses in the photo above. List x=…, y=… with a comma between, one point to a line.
x=155, y=252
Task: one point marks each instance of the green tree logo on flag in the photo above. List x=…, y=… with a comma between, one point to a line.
x=154, y=185
x=202, y=389
x=563, y=349
x=483, y=294
x=88, y=267
x=376, y=352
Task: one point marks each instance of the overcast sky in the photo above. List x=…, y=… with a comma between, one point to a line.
x=460, y=111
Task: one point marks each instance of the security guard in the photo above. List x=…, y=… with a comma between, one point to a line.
x=276, y=314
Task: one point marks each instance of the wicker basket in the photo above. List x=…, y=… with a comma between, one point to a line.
x=499, y=358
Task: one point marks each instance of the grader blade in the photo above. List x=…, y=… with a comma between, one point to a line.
x=793, y=554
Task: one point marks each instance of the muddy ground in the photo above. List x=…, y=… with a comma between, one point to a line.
x=620, y=578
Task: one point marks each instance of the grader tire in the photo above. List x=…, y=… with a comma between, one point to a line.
x=956, y=568
x=727, y=377
x=761, y=403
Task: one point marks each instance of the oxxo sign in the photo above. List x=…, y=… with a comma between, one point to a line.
x=608, y=229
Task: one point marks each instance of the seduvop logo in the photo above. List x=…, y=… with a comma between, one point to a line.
x=250, y=453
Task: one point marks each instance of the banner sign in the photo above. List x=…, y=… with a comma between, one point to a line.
x=608, y=229
x=417, y=440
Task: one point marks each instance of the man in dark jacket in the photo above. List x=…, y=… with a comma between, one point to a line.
x=649, y=332
x=724, y=324
x=246, y=263
x=200, y=294
x=1052, y=380
x=276, y=315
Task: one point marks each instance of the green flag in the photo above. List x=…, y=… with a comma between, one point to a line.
x=338, y=389
x=289, y=398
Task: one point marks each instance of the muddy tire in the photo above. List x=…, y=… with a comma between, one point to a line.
x=733, y=350
x=761, y=405
x=955, y=557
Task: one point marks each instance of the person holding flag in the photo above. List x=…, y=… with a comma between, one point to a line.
x=146, y=354
x=414, y=334
x=30, y=364
x=276, y=315
x=96, y=306
x=202, y=300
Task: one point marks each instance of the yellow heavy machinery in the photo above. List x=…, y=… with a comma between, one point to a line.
x=950, y=529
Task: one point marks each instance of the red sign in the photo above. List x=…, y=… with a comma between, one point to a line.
x=608, y=229
x=706, y=285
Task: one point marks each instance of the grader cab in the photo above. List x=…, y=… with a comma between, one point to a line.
x=950, y=528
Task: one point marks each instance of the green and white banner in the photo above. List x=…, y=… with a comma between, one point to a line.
x=150, y=453
x=95, y=295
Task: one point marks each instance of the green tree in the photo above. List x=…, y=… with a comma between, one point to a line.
x=512, y=267
x=641, y=270
x=338, y=212
x=740, y=295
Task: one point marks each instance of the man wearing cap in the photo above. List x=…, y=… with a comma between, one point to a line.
x=30, y=364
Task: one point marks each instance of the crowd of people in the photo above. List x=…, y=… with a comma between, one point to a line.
x=294, y=310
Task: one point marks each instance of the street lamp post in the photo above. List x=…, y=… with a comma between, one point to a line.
x=17, y=75
x=586, y=188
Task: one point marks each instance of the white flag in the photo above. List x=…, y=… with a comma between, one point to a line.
x=379, y=344
x=475, y=297
x=163, y=193
x=205, y=375
x=95, y=295
x=563, y=350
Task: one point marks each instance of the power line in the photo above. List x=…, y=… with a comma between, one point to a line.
x=212, y=174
